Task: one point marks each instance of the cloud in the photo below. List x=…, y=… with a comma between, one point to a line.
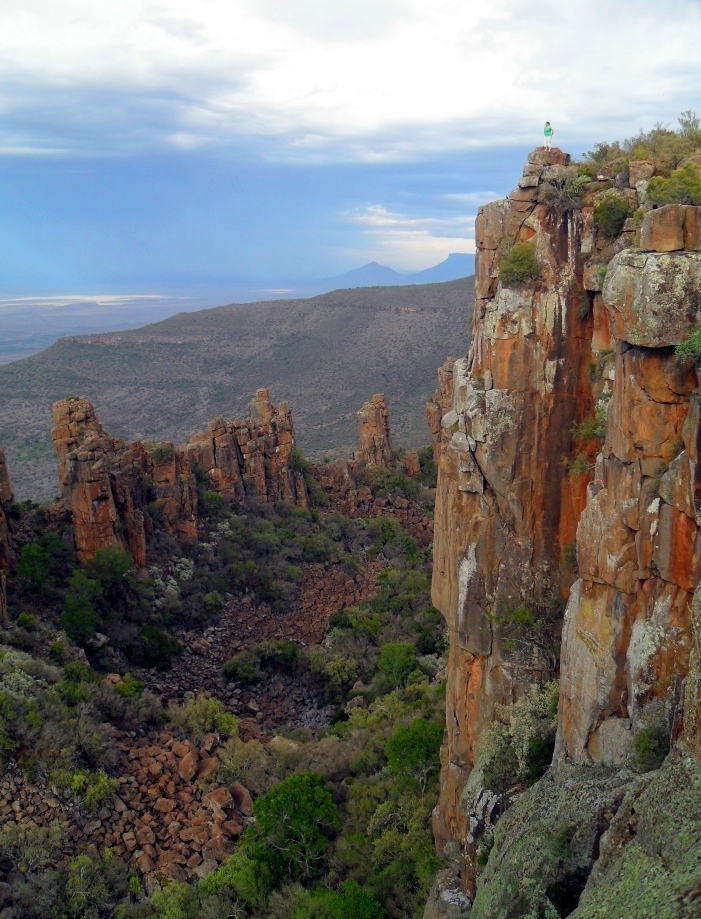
x=409, y=242
x=369, y=80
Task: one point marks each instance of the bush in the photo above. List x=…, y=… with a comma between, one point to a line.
x=690, y=348
x=350, y=901
x=413, y=749
x=80, y=620
x=396, y=662
x=610, y=213
x=109, y=566
x=31, y=845
x=294, y=822
x=682, y=187
x=161, y=453
x=129, y=687
x=650, y=747
x=203, y=715
x=92, y=787
x=519, y=265
x=157, y=647
x=26, y=621
x=563, y=187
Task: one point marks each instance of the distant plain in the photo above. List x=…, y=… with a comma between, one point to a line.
x=162, y=382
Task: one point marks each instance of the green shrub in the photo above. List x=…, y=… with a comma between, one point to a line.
x=161, y=453
x=244, y=667
x=58, y=651
x=129, y=687
x=351, y=901
x=690, y=348
x=95, y=884
x=203, y=715
x=80, y=619
x=412, y=750
x=156, y=647
x=682, y=187
x=563, y=187
x=34, y=565
x=109, y=566
x=589, y=428
x=294, y=822
x=397, y=661
x=26, y=621
x=31, y=845
x=93, y=787
x=650, y=747
x=519, y=265
x=610, y=213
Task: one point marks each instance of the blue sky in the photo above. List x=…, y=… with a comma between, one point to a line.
x=157, y=145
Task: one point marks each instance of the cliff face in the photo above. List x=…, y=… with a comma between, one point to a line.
x=506, y=506
x=113, y=489
x=570, y=417
x=6, y=554
x=627, y=636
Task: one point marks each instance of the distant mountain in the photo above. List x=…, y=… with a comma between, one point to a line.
x=29, y=324
x=457, y=265
x=371, y=275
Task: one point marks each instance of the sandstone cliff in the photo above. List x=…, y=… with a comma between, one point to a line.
x=557, y=366
x=114, y=490
x=374, y=434
x=506, y=506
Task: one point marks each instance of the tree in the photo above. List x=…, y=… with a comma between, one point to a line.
x=79, y=617
x=351, y=901
x=413, y=749
x=396, y=662
x=295, y=820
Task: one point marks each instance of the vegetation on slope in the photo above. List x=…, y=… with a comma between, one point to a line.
x=342, y=823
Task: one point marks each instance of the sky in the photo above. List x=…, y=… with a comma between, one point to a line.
x=165, y=145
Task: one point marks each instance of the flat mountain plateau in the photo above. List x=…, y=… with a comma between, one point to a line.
x=324, y=355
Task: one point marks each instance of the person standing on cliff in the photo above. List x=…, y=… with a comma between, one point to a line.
x=548, y=132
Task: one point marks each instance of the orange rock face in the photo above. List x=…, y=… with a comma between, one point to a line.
x=113, y=489
x=628, y=641
x=506, y=507
x=373, y=434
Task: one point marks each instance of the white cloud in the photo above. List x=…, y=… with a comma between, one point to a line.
x=409, y=242
x=364, y=79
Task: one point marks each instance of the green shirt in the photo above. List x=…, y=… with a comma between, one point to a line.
x=548, y=131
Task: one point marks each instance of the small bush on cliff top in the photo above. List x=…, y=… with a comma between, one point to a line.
x=690, y=348
x=519, y=265
x=610, y=213
x=682, y=187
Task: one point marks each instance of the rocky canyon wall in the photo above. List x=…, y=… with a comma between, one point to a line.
x=506, y=507
x=114, y=490
x=567, y=446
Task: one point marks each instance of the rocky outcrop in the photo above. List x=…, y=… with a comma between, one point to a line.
x=506, y=507
x=374, y=435
x=627, y=638
x=6, y=553
x=246, y=459
x=112, y=489
x=115, y=491
x=571, y=417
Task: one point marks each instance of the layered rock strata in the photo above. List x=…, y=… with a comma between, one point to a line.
x=113, y=489
x=506, y=507
x=6, y=554
x=627, y=638
x=570, y=417
x=374, y=435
